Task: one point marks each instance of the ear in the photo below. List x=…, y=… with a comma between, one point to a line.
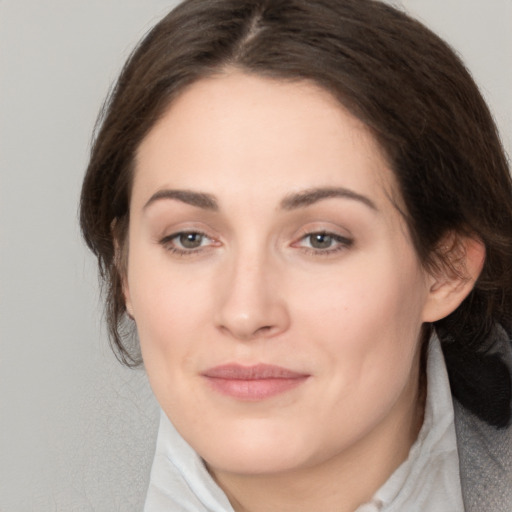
x=121, y=262
x=461, y=261
x=126, y=294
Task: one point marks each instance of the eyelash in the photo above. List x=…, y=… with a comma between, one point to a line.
x=341, y=243
x=169, y=244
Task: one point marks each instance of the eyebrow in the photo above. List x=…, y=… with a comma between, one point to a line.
x=290, y=202
x=199, y=199
x=313, y=195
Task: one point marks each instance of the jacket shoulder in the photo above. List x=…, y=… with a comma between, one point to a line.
x=485, y=457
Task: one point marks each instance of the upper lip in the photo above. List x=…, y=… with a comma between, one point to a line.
x=253, y=372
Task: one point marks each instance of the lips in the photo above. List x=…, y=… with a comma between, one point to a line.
x=253, y=383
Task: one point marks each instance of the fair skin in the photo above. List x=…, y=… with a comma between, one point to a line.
x=262, y=232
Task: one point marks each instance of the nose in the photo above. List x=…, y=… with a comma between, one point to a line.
x=250, y=301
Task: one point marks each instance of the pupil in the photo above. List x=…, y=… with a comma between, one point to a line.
x=321, y=241
x=191, y=240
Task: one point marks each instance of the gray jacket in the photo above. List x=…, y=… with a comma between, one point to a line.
x=485, y=456
x=485, y=452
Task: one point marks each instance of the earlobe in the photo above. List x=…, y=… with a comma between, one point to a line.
x=127, y=300
x=125, y=288
x=453, y=281
x=121, y=263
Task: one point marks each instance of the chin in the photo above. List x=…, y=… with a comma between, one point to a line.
x=256, y=449
x=255, y=462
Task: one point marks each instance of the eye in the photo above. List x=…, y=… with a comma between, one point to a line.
x=323, y=242
x=186, y=242
x=190, y=240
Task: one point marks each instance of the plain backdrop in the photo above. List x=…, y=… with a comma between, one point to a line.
x=77, y=430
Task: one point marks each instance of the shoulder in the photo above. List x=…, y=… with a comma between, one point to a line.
x=485, y=456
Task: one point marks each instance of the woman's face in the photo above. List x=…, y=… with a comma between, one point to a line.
x=276, y=292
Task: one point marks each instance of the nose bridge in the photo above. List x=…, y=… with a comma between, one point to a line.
x=250, y=304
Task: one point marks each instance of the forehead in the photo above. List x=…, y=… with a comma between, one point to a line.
x=259, y=133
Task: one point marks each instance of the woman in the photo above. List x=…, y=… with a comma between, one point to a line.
x=304, y=211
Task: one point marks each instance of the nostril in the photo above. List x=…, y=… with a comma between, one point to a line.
x=247, y=334
x=263, y=330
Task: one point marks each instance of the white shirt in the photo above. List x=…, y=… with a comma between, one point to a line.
x=428, y=481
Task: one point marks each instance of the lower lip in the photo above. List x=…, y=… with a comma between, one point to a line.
x=253, y=390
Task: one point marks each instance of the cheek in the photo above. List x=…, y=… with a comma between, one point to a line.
x=365, y=321
x=169, y=307
x=367, y=333
x=377, y=295
x=169, y=325
x=168, y=317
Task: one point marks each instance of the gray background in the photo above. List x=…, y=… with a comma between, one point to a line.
x=76, y=429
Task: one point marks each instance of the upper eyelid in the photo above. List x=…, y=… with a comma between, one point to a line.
x=303, y=232
x=325, y=228
x=335, y=236
x=170, y=231
x=316, y=227
x=177, y=234
x=186, y=232
x=323, y=231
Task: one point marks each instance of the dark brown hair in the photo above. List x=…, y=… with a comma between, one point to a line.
x=391, y=72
